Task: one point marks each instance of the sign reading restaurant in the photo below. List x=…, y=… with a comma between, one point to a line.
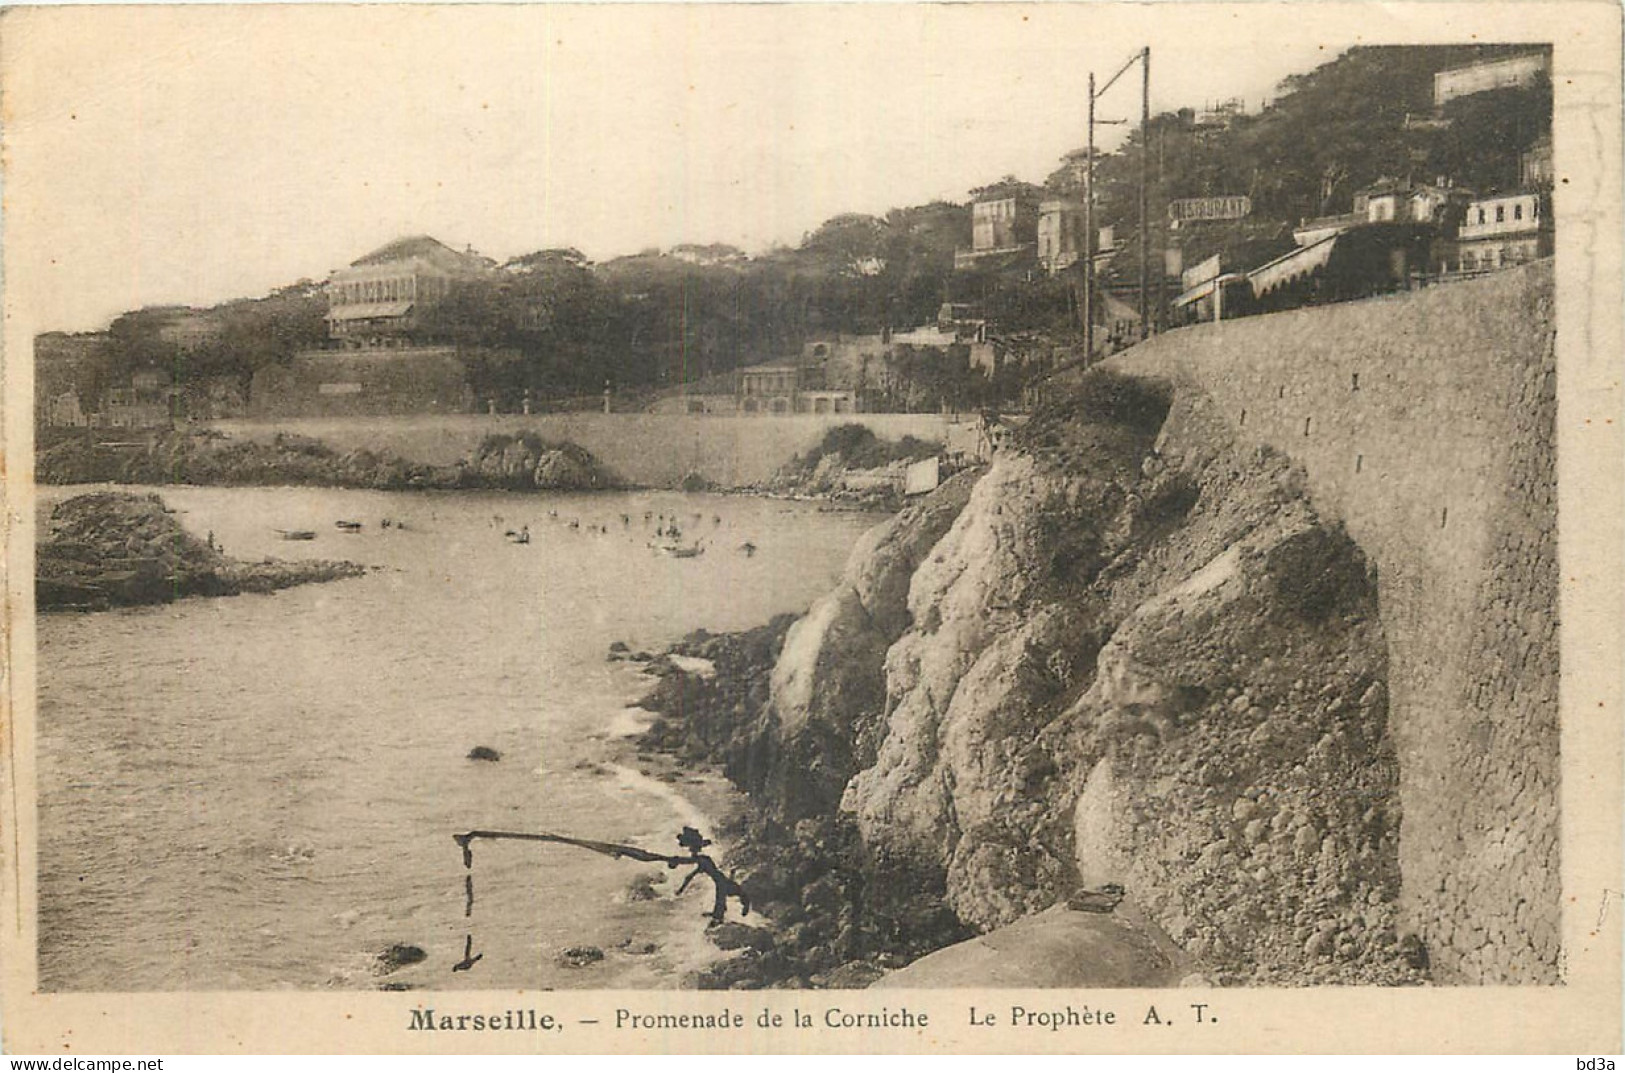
x=1229, y=207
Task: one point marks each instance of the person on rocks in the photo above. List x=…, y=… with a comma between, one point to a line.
x=691, y=840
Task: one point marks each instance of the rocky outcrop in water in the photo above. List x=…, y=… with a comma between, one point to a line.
x=110, y=549
x=853, y=466
x=527, y=462
x=516, y=463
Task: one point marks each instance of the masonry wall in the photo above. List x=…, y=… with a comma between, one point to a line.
x=1426, y=423
x=363, y=382
x=651, y=449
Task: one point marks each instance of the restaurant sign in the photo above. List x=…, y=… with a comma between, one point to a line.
x=1229, y=207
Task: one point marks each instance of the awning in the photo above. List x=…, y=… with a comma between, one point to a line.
x=1202, y=290
x=369, y=310
x=1292, y=266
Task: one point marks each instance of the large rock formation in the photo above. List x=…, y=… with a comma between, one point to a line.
x=111, y=549
x=1102, y=662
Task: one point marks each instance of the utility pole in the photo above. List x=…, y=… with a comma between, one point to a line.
x=1145, y=182
x=1143, y=58
x=1089, y=233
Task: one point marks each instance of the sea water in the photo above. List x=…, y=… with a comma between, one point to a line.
x=260, y=792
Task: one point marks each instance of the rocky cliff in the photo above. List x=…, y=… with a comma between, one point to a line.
x=1098, y=662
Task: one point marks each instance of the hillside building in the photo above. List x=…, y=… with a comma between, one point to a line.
x=788, y=388
x=1401, y=201
x=64, y=410
x=1000, y=228
x=1508, y=229
x=1511, y=72
x=1060, y=234
x=187, y=330
x=380, y=297
x=149, y=401
x=1535, y=165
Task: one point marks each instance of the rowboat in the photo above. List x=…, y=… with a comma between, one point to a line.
x=296, y=534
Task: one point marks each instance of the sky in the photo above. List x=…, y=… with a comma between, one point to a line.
x=196, y=154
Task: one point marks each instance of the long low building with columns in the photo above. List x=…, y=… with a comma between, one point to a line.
x=380, y=296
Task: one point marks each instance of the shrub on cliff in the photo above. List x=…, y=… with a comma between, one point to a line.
x=1101, y=397
x=845, y=449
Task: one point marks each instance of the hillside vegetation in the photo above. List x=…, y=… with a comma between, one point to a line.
x=562, y=327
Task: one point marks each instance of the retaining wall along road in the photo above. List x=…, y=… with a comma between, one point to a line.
x=1426, y=423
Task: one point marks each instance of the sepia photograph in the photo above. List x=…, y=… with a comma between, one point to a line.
x=911, y=499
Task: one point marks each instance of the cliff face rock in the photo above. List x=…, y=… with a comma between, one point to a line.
x=966, y=679
x=1137, y=655
x=827, y=688
x=1245, y=787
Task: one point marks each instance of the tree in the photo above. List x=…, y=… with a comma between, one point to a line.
x=851, y=244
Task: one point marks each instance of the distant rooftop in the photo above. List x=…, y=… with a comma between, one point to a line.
x=425, y=246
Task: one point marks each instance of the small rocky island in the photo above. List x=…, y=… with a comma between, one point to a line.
x=117, y=549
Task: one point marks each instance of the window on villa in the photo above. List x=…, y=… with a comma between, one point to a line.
x=1500, y=213
x=1480, y=215
x=1517, y=212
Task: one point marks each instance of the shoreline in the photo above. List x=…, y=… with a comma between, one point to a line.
x=699, y=799
x=816, y=921
x=207, y=458
x=844, y=473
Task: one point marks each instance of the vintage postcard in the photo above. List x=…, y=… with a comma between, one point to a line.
x=688, y=527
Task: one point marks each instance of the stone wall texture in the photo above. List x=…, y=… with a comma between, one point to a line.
x=352, y=383
x=1426, y=423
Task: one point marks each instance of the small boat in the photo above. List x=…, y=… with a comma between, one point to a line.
x=682, y=551
x=348, y=527
x=522, y=536
x=296, y=534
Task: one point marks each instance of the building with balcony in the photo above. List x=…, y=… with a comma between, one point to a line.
x=787, y=388
x=380, y=297
x=1508, y=229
